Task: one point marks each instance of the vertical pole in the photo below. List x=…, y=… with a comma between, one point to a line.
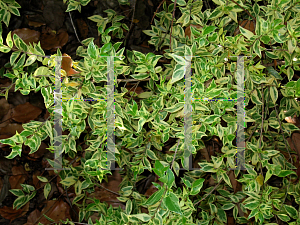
x=58, y=148
x=110, y=113
x=240, y=137
x=188, y=158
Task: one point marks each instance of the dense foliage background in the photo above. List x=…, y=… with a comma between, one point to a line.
x=148, y=186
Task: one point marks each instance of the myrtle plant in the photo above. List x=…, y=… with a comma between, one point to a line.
x=146, y=123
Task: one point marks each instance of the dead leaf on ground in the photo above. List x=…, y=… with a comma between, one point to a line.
x=67, y=64
x=56, y=210
x=19, y=176
x=11, y=214
x=187, y=30
x=83, y=28
x=106, y=196
x=54, y=40
x=4, y=136
x=4, y=107
x=35, y=20
x=27, y=35
x=11, y=129
x=233, y=181
x=38, y=154
x=33, y=216
x=294, y=142
x=25, y=112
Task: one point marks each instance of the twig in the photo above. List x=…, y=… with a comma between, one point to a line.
x=172, y=24
x=136, y=85
x=278, y=63
x=132, y=18
x=209, y=192
x=244, y=10
x=166, y=185
x=286, y=149
x=261, y=136
x=157, y=10
x=74, y=28
x=108, y=189
x=175, y=154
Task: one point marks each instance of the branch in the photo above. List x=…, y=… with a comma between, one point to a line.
x=244, y=10
x=172, y=24
x=157, y=10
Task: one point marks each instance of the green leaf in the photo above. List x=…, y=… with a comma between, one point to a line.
x=222, y=215
x=252, y=205
x=14, y=56
x=284, y=173
x=17, y=192
x=31, y=59
x=271, y=55
x=291, y=211
x=248, y=34
x=290, y=73
x=178, y=59
x=255, y=99
x=20, y=44
x=6, y=18
x=151, y=154
x=253, y=213
x=146, y=94
x=9, y=41
x=43, y=179
x=274, y=73
x=155, y=197
x=4, y=49
x=180, y=2
x=175, y=108
x=226, y=179
x=140, y=76
x=228, y=206
x=20, y=202
x=297, y=90
x=68, y=181
x=172, y=203
x=141, y=123
x=178, y=73
x=16, y=150
x=274, y=94
x=128, y=207
x=283, y=217
x=208, y=30
x=142, y=216
x=256, y=48
x=196, y=186
x=159, y=169
x=91, y=50
x=171, y=178
x=20, y=62
x=47, y=189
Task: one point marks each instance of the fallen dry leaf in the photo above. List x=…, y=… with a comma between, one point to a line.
x=25, y=112
x=67, y=64
x=27, y=35
x=35, y=20
x=11, y=214
x=56, y=210
x=54, y=40
x=247, y=24
x=11, y=129
x=233, y=181
x=187, y=30
x=33, y=216
x=83, y=28
x=19, y=176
